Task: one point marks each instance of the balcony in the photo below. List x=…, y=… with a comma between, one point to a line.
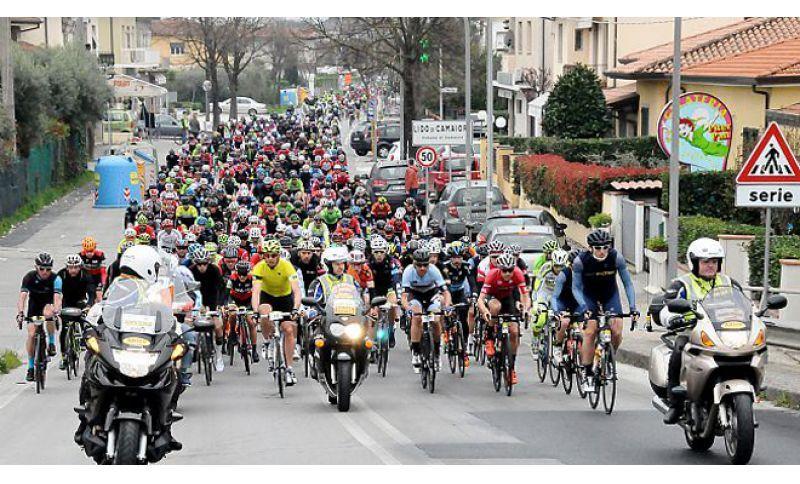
x=139, y=58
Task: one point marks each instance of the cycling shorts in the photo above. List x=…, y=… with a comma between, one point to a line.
x=426, y=302
x=284, y=304
x=611, y=306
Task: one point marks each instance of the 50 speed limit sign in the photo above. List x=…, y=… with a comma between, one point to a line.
x=426, y=156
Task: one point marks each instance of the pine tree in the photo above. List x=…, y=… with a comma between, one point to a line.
x=576, y=107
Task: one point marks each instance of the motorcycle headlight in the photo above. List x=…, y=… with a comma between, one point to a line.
x=734, y=339
x=353, y=331
x=336, y=329
x=134, y=364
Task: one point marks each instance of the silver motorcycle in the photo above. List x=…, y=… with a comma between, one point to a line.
x=722, y=367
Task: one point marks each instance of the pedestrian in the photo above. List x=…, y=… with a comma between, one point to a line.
x=184, y=127
x=412, y=179
x=194, y=125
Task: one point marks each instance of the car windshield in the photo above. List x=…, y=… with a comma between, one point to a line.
x=493, y=223
x=728, y=308
x=528, y=242
x=457, y=164
x=392, y=173
x=477, y=196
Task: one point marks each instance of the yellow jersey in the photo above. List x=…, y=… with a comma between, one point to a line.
x=276, y=282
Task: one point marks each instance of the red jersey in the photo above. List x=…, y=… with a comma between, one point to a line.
x=364, y=277
x=241, y=288
x=496, y=286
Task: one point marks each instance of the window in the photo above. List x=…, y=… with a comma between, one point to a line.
x=529, y=38
x=177, y=48
x=578, y=39
x=519, y=106
x=560, y=43
x=645, y=115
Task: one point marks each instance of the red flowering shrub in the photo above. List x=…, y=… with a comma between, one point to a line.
x=574, y=189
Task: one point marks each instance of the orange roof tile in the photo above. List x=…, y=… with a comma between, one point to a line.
x=770, y=40
x=621, y=93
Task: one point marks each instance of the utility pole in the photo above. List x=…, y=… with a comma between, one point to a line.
x=468, y=102
x=441, y=85
x=7, y=70
x=402, y=119
x=489, y=117
x=674, y=159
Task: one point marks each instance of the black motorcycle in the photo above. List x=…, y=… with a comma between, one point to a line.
x=128, y=386
x=341, y=347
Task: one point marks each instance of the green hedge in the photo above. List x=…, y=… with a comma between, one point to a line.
x=608, y=151
x=712, y=194
x=781, y=247
x=695, y=227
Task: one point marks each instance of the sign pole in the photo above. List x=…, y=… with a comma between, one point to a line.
x=767, y=238
x=468, y=102
x=489, y=116
x=674, y=159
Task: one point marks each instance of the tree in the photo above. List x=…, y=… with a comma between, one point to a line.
x=539, y=80
x=243, y=39
x=203, y=39
x=576, y=107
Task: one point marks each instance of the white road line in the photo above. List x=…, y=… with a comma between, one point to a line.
x=364, y=439
x=10, y=389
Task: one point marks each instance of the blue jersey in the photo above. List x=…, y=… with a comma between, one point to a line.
x=426, y=284
x=562, y=298
x=596, y=281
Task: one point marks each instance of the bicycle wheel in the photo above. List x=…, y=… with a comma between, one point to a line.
x=566, y=372
x=206, y=357
x=555, y=374
x=577, y=364
x=432, y=363
x=384, y=357
x=609, y=374
x=244, y=348
x=424, y=364
x=497, y=367
x=594, y=396
x=541, y=357
x=37, y=356
x=461, y=352
x=508, y=367
x=280, y=367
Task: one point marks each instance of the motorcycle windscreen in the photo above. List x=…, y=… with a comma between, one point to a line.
x=131, y=308
x=344, y=300
x=728, y=309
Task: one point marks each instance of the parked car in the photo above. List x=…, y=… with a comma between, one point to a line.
x=388, y=179
x=166, y=126
x=244, y=105
x=388, y=133
x=441, y=172
x=459, y=205
x=120, y=120
x=530, y=238
x=518, y=218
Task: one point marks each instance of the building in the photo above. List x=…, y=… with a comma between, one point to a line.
x=171, y=48
x=752, y=66
x=54, y=31
x=124, y=44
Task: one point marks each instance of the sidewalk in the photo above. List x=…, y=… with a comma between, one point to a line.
x=783, y=368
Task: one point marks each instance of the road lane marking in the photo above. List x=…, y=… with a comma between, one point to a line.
x=364, y=439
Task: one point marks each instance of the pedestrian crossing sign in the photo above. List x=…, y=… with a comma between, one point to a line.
x=772, y=161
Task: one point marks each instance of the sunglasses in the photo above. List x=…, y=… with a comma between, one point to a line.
x=601, y=247
x=271, y=256
x=45, y=269
x=420, y=264
x=202, y=263
x=506, y=271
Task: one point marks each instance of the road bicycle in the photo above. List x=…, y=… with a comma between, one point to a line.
x=206, y=350
x=428, y=355
x=383, y=332
x=604, y=365
x=72, y=319
x=501, y=363
x=454, y=338
x=275, y=354
x=40, y=357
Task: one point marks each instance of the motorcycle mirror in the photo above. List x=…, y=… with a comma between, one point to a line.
x=679, y=306
x=776, y=301
x=309, y=301
x=671, y=294
x=378, y=301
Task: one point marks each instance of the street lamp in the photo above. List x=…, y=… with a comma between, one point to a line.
x=206, y=88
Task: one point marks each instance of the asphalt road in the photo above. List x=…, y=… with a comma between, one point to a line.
x=241, y=419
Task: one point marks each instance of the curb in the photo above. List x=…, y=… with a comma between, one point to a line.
x=773, y=394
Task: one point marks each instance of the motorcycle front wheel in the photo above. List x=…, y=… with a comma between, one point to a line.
x=127, y=443
x=343, y=379
x=740, y=435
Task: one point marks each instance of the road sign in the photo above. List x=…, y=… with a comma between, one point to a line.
x=448, y=90
x=772, y=161
x=425, y=133
x=426, y=156
x=771, y=175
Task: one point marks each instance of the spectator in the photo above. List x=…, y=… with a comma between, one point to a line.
x=194, y=125
x=412, y=179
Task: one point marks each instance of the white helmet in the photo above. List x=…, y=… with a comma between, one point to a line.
x=704, y=248
x=357, y=257
x=130, y=232
x=560, y=258
x=400, y=212
x=141, y=260
x=255, y=233
x=335, y=254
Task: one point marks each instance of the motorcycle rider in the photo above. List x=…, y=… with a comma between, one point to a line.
x=705, y=257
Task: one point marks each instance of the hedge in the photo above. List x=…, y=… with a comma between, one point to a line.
x=694, y=227
x=712, y=194
x=607, y=151
x=575, y=190
x=781, y=247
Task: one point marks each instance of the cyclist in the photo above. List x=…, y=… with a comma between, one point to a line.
x=563, y=302
x=499, y=296
x=276, y=288
x=93, y=259
x=547, y=250
x=594, y=284
x=543, y=288
x=240, y=290
x=424, y=290
x=456, y=276
x=210, y=279
x=77, y=288
x=41, y=290
x=386, y=272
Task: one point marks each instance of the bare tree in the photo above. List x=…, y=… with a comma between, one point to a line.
x=393, y=43
x=243, y=39
x=279, y=45
x=203, y=37
x=539, y=80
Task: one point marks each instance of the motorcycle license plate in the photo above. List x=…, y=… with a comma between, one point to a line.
x=605, y=336
x=505, y=328
x=344, y=308
x=138, y=323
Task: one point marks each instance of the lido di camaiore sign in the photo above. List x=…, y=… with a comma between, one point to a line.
x=705, y=131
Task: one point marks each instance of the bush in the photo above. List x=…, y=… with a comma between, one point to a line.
x=656, y=244
x=607, y=151
x=575, y=190
x=8, y=361
x=577, y=107
x=31, y=98
x=694, y=227
x=8, y=137
x=781, y=247
x=712, y=194
x=599, y=220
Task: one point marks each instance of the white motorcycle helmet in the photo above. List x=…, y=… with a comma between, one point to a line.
x=142, y=261
x=704, y=248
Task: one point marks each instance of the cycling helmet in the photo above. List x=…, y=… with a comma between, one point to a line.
x=127, y=245
x=234, y=241
x=433, y=223
x=550, y=246
x=230, y=253
x=191, y=238
x=211, y=248
x=143, y=239
x=272, y=247
x=141, y=261
x=357, y=257
x=74, y=260
x=378, y=244
x=223, y=240
x=704, y=248
x=598, y=238
x=253, y=219
x=358, y=244
x=200, y=255
x=435, y=246
x=305, y=245
x=422, y=255
x=482, y=250
x=515, y=249
x=254, y=233
x=400, y=212
x=89, y=244
x=425, y=232
x=496, y=247
x=506, y=261
x=560, y=258
x=243, y=267
x=243, y=234
x=456, y=249
x=130, y=233
x=413, y=245
x=335, y=254
x=316, y=241
x=573, y=254
x=201, y=221
x=286, y=242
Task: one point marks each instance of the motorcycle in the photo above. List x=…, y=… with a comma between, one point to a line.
x=341, y=345
x=722, y=367
x=128, y=388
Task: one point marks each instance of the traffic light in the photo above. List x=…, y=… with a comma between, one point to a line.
x=424, y=44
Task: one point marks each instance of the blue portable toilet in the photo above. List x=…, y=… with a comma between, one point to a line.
x=116, y=174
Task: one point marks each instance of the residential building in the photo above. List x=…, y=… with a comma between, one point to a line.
x=124, y=44
x=172, y=49
x=752, y=66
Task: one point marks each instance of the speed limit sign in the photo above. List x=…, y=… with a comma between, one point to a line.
x=426, y=156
